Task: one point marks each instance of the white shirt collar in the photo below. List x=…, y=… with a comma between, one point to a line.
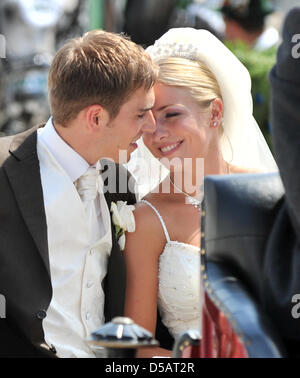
x=74, y=164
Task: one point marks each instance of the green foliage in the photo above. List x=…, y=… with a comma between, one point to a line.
x=259, y=64
x=183, y=3
x=119, y=232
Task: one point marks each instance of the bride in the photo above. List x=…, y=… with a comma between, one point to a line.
x=204, y=126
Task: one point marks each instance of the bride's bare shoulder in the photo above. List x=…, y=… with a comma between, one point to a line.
x=236, y=169
x=148, y=228
x=146, y=215
x=144, y=211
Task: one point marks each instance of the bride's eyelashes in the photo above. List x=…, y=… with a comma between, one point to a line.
x=170, y=115
x=166, y=116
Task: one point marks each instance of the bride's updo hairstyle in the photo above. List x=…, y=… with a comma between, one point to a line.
x=194, y=76
x=196, y=60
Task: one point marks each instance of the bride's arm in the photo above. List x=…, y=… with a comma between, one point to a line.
x=142, y=251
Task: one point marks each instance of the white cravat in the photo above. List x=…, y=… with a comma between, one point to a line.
x=87, y=187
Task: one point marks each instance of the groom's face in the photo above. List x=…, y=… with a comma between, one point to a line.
x=134, y=118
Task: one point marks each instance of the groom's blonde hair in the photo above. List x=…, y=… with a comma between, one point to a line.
x=98, y=68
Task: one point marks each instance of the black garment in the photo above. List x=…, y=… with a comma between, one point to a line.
x=24, y=262
x=281, y=271
x=147, y=20
x=285, y=113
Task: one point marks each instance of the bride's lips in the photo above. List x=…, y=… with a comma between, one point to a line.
x=168, y=149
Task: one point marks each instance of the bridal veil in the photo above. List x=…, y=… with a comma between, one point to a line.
x=242, y=143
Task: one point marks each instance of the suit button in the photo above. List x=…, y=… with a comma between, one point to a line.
x=41, y=314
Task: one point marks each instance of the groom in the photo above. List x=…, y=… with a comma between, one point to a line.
x=62, y=272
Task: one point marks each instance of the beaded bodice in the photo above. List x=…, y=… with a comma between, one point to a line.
x=179, y=298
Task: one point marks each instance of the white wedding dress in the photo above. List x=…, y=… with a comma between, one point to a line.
x=179, y=297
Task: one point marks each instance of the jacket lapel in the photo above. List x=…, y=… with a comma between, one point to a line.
x=115, y=280
x=22, y=169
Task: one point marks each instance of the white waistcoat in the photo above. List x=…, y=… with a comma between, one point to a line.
x=77, y=268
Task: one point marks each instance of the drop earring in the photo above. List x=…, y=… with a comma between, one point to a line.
x=214, y=124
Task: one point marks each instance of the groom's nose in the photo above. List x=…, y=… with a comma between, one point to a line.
x=149, y=125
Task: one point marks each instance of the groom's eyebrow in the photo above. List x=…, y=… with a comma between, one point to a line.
x=146, y=109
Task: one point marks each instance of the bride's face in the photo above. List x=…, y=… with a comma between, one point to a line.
x=183, y=129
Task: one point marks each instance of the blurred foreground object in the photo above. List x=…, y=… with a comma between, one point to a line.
x=120, y=338
x=235, y=322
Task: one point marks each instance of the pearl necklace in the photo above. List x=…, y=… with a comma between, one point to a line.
x=191, y=200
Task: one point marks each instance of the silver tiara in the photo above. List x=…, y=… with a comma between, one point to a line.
x=162, y=50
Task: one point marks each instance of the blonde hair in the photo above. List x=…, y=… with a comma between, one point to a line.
x=99, y=68
x=192, y=75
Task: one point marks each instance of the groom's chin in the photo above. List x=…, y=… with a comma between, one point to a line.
x=123, y=156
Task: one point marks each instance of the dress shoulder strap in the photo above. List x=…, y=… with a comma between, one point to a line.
x=160, y=218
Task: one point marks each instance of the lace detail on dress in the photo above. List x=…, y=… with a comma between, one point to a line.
x=179, y=299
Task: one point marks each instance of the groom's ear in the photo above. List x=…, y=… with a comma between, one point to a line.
x=97, y=118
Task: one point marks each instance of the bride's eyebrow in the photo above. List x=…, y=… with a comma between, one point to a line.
x=163, y=107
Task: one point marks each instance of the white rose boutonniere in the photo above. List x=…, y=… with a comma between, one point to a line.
x=123, y=219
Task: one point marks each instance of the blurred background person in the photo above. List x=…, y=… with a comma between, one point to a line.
x=36, y=28
x=33, y=31
x=245, y=21
x=254, y=42
x=146, y=21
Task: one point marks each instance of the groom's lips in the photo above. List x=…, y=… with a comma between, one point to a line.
x=133, y=144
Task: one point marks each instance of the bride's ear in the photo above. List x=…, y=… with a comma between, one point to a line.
x=216, y=113
x=97, y=118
